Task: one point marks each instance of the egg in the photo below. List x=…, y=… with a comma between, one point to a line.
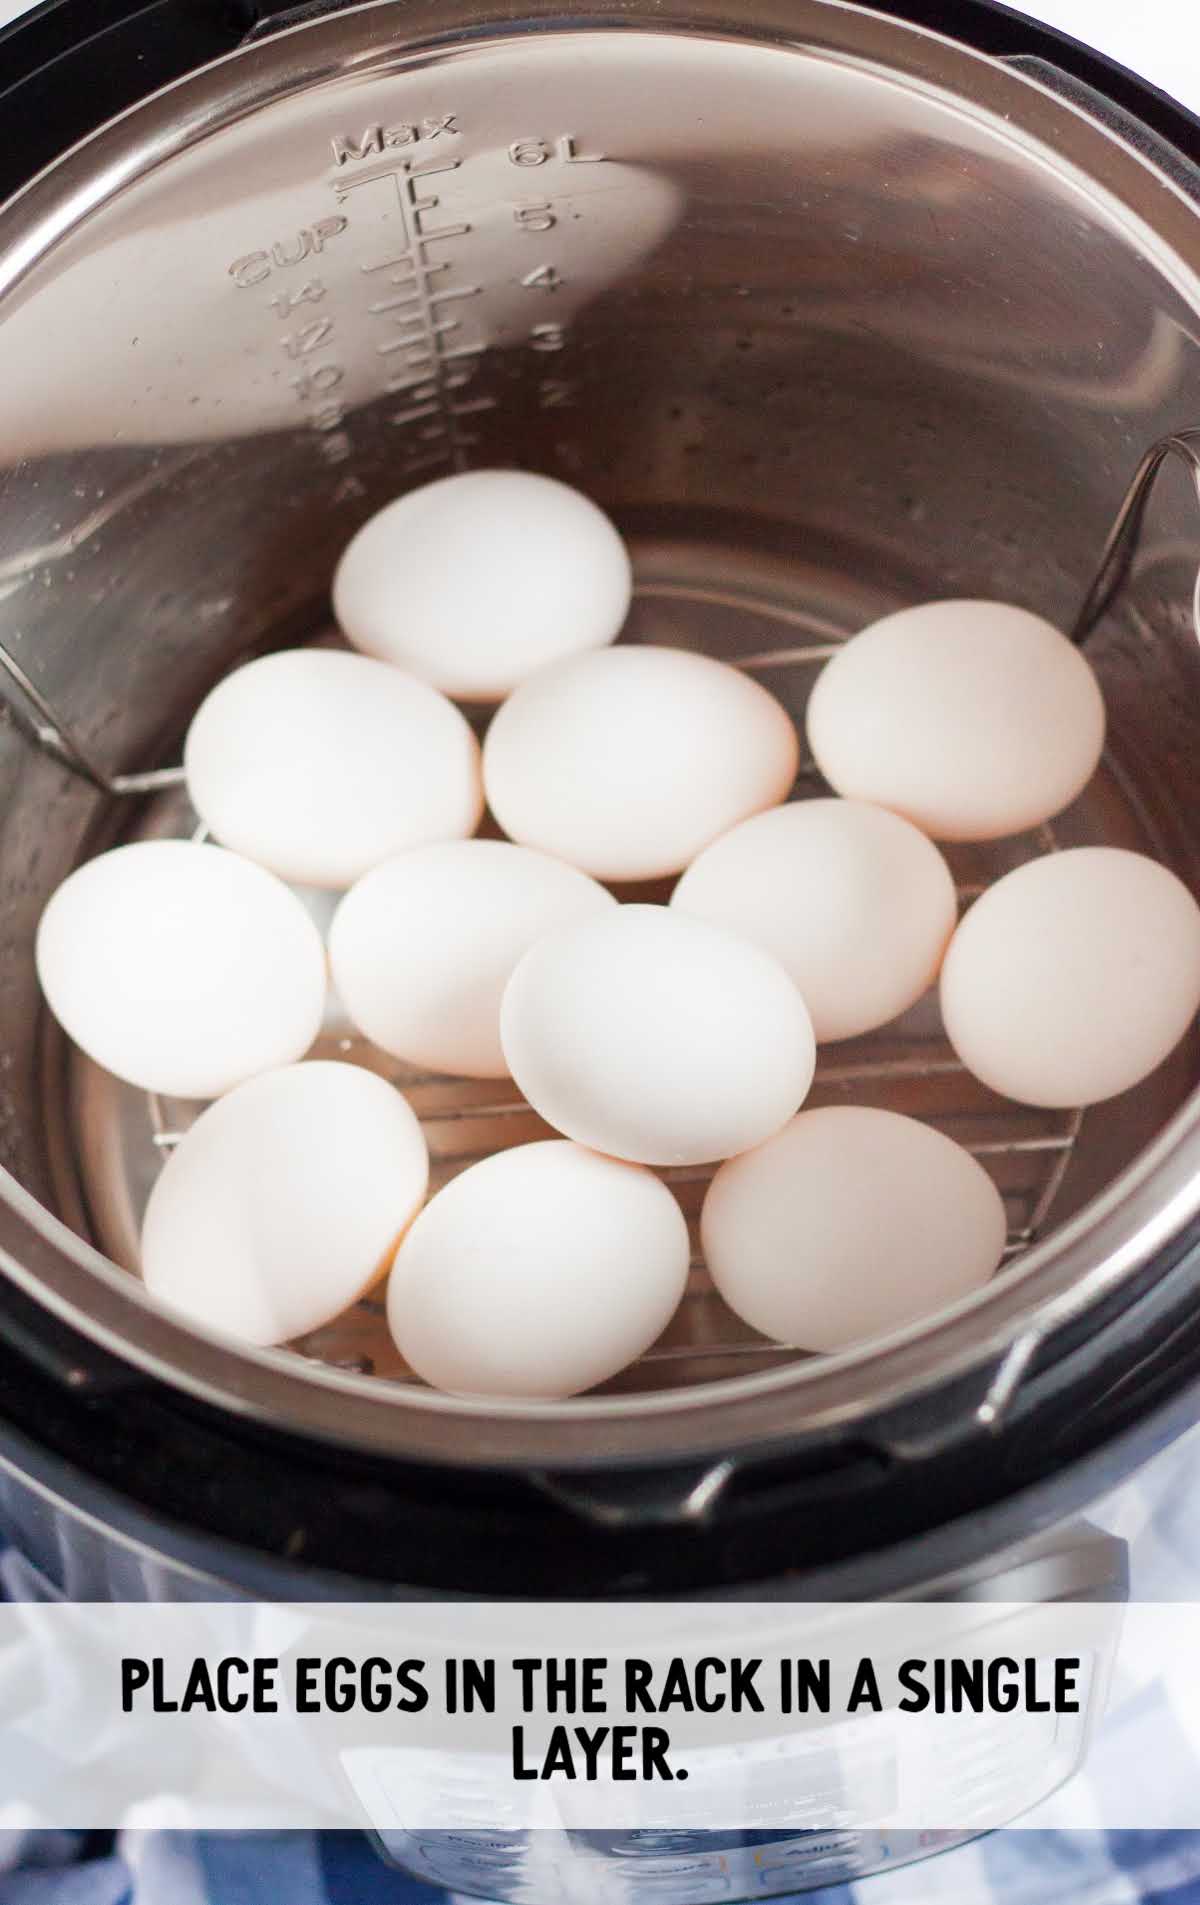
x=849, y=1223
x=855, y=904
x=181, y=968
x=474, y=581
x=629, y=761
x=537, y=1273
x=1073, y=977
x=320, y=764
x=422, y=948
x=284, y=1202
x=655, y=1037
x=971, y=719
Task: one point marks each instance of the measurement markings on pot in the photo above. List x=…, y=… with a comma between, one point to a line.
x=432, y=349
x=537, y=216
x=435, y=356
x=318, y=374
x=438, y=356
x=425, y=331
x=380, y=138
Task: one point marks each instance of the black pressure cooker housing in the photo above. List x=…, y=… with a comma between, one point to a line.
x=115, y=1484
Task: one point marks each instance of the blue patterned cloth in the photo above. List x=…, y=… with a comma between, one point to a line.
x=340, y=1868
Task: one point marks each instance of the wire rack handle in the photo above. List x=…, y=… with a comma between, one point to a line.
x=1125, y=534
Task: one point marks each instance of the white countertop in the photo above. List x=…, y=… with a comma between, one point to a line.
x=1160, y=39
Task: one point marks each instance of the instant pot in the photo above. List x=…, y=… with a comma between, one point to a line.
x=834, y=307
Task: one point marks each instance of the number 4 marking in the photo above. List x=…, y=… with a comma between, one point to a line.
x=545, y=278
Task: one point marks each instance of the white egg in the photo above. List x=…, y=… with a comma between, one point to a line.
x=284, y=1202
x=1073, y=977
x=629, y=761
x=538, y=1273
x=475, y=581
x=848, y=1223
x=972, y=719
x=181, y=968
x=656, y=1037
x=423, y=947
x=320, y=764
x=855, y=904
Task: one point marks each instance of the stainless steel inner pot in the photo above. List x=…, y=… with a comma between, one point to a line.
x=831, y=313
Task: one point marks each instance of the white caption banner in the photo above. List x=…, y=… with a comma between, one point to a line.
x=598, y=1717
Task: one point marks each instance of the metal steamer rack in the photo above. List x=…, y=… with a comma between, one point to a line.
x=908, y=1066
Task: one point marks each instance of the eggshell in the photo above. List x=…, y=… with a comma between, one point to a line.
x=284, y=1202
x=656, y=1037
x=538, y=1273
x=971, y=719
x=629, y=761
x=181, y=968
x=1073, y=977
x=320, y=764
x=423, y=947
x=855, y=904
x=848, y=1223
x=476, y=580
